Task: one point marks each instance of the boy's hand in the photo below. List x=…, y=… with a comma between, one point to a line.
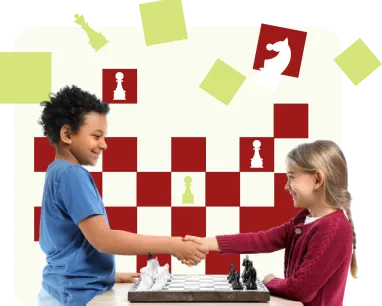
x=189, y=250
x=198, y=240
x=126, y=277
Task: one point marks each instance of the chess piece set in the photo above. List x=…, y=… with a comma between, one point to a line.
x=248, y=276
x=153, y=276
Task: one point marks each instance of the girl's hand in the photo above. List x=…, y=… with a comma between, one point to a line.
x=126, y=277
x=268, y=278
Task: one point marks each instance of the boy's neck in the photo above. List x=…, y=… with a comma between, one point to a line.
x=62, y=154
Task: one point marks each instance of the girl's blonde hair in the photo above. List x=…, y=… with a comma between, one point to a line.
x=325, y=155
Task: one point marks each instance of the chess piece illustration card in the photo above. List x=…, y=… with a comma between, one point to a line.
x=280, y=50
x=119, y=85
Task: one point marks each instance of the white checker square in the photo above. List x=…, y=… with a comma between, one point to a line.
x=34, y=192
x=257, y=189
x=126, y=264
x=197, y=187
x=154, y=153
x=266, y=263
x=154, y=221
x=282, y=148
x=119, y=188
x=222, y=152
x=222, y=220
x=178, y=268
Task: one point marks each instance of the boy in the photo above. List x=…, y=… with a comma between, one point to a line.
x=74, y=228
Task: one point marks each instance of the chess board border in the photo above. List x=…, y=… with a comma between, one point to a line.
x=173, y=296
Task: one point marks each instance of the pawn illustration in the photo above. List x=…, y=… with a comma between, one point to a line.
x=256, y=161
x=119, y=92
x=188, y=197
x=96, y=40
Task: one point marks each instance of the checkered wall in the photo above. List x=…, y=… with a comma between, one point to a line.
x=246, y=200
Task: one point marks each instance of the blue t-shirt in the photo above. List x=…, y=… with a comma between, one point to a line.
x=75, y=272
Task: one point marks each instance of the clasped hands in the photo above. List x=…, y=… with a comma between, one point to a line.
x=202, y=249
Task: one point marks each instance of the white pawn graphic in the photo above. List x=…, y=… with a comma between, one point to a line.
x=119, y=93
x=256, y=161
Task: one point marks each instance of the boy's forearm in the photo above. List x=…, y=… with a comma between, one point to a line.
x=211, y=243
x=125, y=243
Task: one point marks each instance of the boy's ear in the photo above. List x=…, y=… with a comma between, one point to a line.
x=319, y=179
x=66, y=134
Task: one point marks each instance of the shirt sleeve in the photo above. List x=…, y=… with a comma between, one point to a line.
x=267, y=241
x=328, y=249
x=77, y=194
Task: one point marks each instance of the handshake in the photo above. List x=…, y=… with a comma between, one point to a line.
x=191, y=250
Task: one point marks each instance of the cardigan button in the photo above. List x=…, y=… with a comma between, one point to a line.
x=298, y=231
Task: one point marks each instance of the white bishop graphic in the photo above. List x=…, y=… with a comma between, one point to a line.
x=273, y=68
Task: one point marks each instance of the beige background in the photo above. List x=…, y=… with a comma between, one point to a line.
x=171, y=104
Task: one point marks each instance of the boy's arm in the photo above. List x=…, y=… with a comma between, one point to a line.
x=119, y=242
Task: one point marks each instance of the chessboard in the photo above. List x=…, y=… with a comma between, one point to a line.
x=199, y=288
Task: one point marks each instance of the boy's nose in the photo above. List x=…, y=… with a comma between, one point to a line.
x=103, y=145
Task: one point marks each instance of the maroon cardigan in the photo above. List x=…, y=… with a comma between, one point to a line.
x=317, y=256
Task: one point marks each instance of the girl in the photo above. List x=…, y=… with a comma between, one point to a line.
x=319, y=241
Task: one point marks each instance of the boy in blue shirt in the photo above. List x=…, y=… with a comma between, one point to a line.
x=74, y=228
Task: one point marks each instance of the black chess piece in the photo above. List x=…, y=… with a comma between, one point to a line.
x=245, y=265
x=229, y=276
x=247, y=270
x=233, y=276
x=236, y=284
x=252, y=277
x=150, y=256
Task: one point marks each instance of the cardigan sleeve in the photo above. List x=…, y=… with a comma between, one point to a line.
x=328, y=249
x=267, y=241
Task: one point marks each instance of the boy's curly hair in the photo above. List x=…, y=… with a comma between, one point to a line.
x=69, y=106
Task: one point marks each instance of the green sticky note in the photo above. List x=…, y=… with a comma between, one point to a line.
x=25, y=77
x=222, y=82
x=163, y=21
x=357, y=62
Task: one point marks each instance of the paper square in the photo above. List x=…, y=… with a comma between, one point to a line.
x=222, y=82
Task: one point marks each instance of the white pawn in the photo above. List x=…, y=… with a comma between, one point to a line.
x=146, y=282
x=119, y=93
x=256, y=161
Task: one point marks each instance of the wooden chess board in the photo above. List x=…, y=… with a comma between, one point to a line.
x=199, y=288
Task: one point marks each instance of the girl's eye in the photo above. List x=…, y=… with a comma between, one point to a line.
x=96, y=137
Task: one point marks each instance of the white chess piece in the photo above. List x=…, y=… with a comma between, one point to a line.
x=256, y=161
x=119, y=92
x=269, y=76
x=146, y=282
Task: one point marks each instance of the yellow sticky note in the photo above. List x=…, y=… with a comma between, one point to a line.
x=25, y=77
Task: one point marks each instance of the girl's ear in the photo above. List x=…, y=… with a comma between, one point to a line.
x=319, y=179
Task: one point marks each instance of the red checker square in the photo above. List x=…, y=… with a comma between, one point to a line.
x=272, y=35
x=97, y=177
x=153, y=188
x=254, y=219
x=188, y=154
x=44, y=154
x=247, y=153
x=128, y=85
x=188, y=221
x=122, y=218
x=120, y=155
x=223, y=189
x=162, y=258
x=37, y=214
x=217, y=263
x=291, y=120
x=283, y=200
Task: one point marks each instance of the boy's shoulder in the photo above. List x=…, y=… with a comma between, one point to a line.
x=59, y=169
